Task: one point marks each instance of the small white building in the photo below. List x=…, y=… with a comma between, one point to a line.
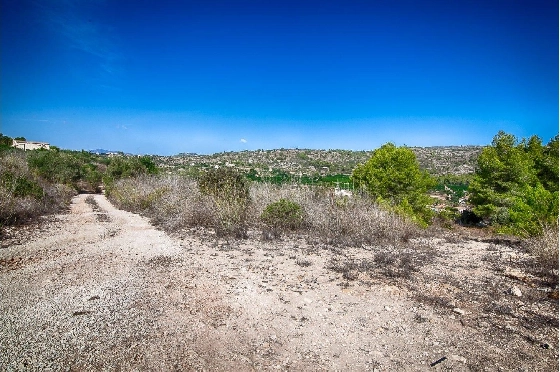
x=30, y=145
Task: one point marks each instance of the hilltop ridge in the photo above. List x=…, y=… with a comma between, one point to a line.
x=437, y=160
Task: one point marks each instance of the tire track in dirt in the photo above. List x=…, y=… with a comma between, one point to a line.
x=114, y=293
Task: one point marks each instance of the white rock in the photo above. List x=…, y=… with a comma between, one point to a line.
x=459, y=311
x=515, y=291
x=458, y=358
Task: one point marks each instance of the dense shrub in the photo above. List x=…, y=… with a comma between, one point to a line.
x=20, y=186
x=229, y=191
x=25, y=195
x=516, y=184
x=283, y=215
x=78, y=169
x=392, y=177
x=224, y=184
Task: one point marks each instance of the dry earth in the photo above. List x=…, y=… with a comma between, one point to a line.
x=101, y=289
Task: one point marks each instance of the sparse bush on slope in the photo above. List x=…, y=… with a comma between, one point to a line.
x=171, y=202
x=338, y=220
x=23, y=194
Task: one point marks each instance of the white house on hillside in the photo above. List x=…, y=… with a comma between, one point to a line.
x=30, y=145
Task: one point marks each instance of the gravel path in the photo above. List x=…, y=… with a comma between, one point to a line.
x=102, y=289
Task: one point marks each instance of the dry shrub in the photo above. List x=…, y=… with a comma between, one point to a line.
x=229, y=191
x=170, y=201
x=175, y=201
x=23, y=195
x=351, y=221
x=545, y=248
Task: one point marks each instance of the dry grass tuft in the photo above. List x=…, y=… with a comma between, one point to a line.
x=545, y=248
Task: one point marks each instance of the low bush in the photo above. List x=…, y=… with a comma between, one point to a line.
x=283, y=215
x=225, y=184
x=447, y=217
x=20, y=186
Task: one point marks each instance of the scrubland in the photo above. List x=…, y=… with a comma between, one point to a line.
x=254, y=275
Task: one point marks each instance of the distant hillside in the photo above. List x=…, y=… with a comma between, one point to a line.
x=439, y=160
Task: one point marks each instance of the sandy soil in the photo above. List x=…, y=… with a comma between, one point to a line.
x=102, y=289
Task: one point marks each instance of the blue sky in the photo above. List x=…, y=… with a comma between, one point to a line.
x=164, y=77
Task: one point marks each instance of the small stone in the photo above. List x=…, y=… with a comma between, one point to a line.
x=458, y=358
x=515, y=291
x=459, y=311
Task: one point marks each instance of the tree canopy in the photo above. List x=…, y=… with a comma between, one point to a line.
x=392, y=176
x=516, y=184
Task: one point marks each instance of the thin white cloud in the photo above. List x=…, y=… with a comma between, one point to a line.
x=243, y=140
x=69, y=19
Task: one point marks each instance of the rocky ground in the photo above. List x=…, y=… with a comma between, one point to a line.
x=101, y=289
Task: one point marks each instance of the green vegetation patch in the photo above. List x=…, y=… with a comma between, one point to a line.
x=516, y=184
x=283, y=214
x=392, y=177
x=20, y=186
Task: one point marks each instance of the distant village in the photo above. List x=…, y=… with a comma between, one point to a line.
x=30, y=145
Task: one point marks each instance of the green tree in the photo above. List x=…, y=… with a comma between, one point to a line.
x=547, y=168
x=5, y=141
x=392, y=176
x=516, y=184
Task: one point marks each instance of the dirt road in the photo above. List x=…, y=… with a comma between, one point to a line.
x=102, y=289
